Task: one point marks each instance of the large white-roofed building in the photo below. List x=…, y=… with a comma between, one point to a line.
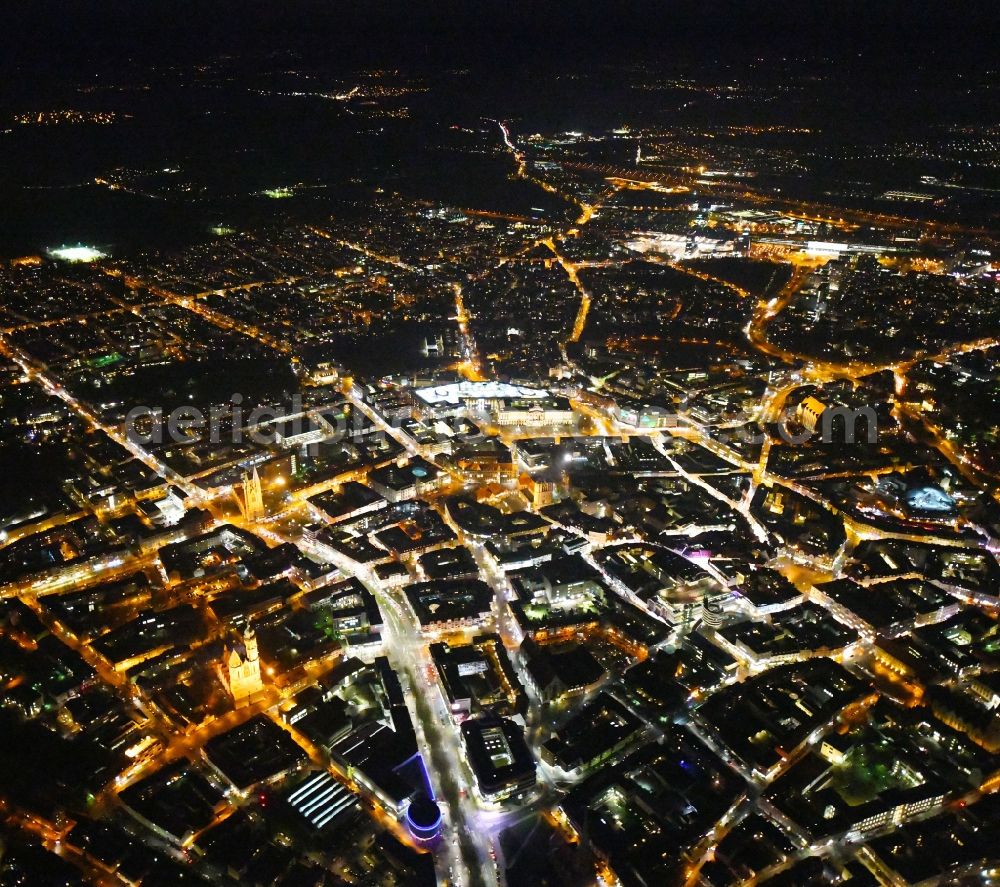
x=509, y=405
x=463, y=392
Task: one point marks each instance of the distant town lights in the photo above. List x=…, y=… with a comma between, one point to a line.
x=76, y=254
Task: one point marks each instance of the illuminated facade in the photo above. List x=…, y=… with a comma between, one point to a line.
x=244, y=678
x=250, y=497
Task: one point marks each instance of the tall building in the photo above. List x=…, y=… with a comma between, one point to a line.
x=539, y=492
x=244, y=671
x=249, y=496
x=809, y=412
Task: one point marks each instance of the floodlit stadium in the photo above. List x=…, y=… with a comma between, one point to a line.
x=76, y=254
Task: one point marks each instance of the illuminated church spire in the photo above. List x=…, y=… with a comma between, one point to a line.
x=250, y=497
x=244, y=671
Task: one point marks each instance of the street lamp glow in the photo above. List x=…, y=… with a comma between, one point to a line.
x=76, y=254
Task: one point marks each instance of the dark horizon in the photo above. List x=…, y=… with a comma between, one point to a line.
x=500, y=33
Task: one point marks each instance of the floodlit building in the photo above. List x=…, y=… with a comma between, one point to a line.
x=808, y=413
x=243, y=671
x=250, y=497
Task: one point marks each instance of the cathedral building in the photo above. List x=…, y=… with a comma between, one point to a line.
x=243, y=671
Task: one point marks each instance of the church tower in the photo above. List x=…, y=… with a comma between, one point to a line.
x=249, y=496
x=244, y=671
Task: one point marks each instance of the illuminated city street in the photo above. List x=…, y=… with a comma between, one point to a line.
x=440, y=452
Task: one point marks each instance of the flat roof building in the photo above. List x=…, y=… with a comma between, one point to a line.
x=499, y=757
